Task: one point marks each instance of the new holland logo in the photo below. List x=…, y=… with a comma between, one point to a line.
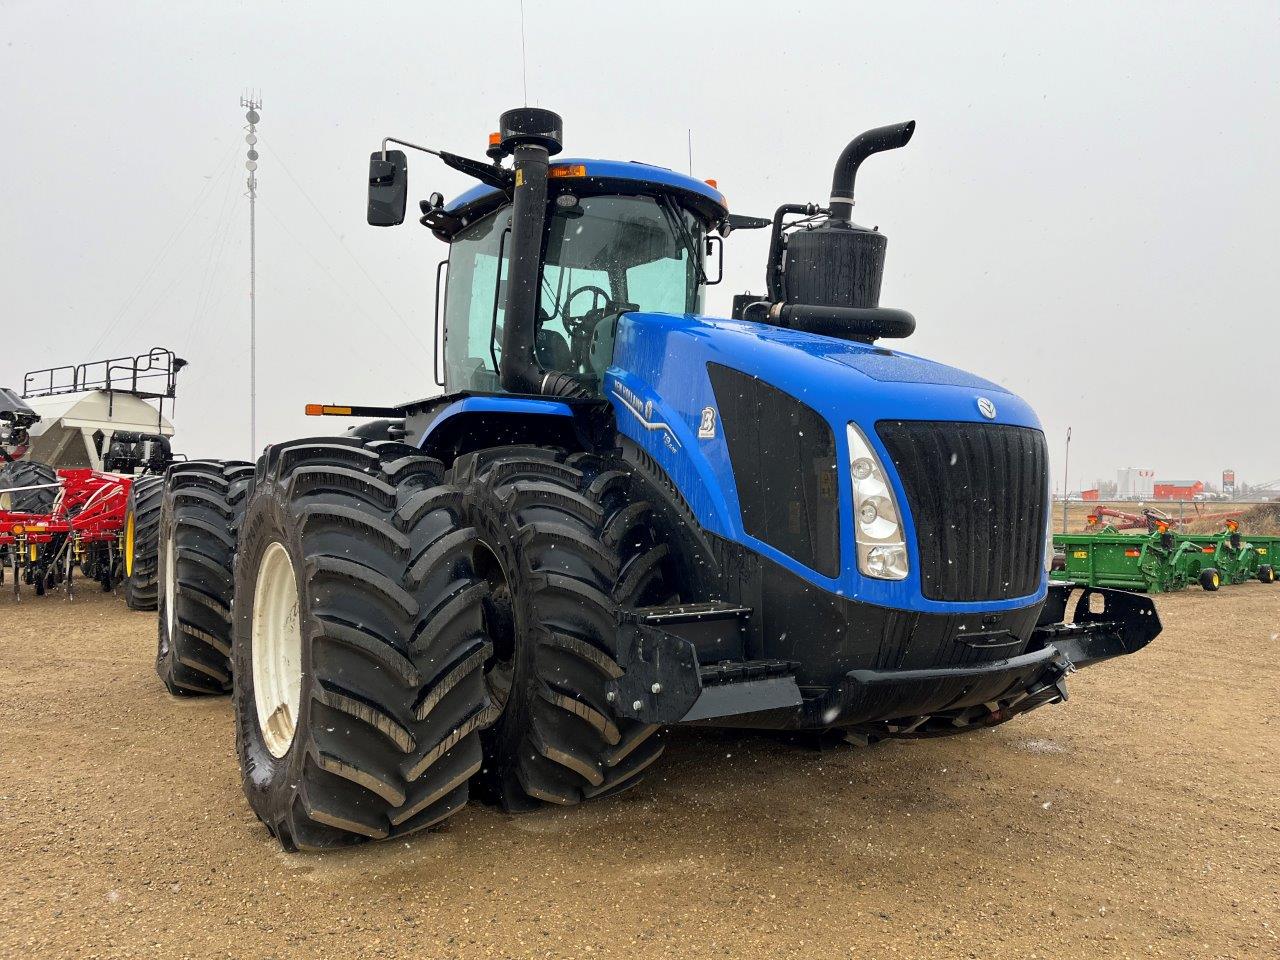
x=986, y=408
x=643, y=410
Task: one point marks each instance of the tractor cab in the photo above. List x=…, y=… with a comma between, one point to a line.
x=598, y=239
x=612, y=244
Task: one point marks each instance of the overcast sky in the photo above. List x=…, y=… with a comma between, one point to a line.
x=1087, y=213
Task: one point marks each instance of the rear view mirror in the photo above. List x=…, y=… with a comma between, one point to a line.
x=388, y=188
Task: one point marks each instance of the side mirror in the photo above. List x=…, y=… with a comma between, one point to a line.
x=714, y=244
x=388, y=188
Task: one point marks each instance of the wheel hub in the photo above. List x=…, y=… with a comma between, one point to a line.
x=170, y=590
x=499, y=671
x=500, y=625
x=277, y=650
x=128, y=546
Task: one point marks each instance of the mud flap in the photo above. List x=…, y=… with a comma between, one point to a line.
x=660, y=679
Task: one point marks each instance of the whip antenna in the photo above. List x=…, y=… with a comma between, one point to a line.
x=524, y=58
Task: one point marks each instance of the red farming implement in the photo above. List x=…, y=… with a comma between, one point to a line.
x=1149, y=519
x=85, y=529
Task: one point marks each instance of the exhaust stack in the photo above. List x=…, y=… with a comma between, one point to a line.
x=824, y=276
x=880, y=139
x=532, y=136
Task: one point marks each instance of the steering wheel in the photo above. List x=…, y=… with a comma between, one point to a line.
x=597, y=294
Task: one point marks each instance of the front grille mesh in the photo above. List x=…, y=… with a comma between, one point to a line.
x=978, y=494
x=784, y=466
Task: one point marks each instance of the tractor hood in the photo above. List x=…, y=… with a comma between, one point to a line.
x=843, y=380
x=661, y=387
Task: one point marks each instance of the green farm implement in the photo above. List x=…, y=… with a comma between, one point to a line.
x=1227, y=553
x=1266, y=551
x=1263, y=557
x=1156, y=563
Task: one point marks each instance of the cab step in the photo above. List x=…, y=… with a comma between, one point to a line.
x=688, y=662
x=716, y=629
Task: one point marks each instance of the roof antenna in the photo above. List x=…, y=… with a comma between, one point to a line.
x=524, y=59
x=690, y=129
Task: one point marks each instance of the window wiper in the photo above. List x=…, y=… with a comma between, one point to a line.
x=673, y=215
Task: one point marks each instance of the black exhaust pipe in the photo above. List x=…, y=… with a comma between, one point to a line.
x=892, y=137
x=532, y=137
x=520, y=373
x=824, y=277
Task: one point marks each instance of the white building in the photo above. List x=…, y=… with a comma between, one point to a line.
x=1135, y=483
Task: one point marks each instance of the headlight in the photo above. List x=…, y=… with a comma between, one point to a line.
x=882, y=552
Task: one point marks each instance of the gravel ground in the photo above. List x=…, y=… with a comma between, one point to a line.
x=1140, y=819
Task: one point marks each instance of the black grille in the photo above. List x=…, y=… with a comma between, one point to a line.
x=978, y=493
x=784, y=465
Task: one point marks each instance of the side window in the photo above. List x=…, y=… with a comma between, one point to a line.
x=477, y=266
x=660, y=286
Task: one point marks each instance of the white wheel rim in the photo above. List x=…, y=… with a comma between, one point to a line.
x=277, y=650
x=170, y=590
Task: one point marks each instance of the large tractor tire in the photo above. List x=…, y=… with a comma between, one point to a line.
x=359, y=644
x=200, y=517
x=565, y=543
x=27, y=473
x=142, y=542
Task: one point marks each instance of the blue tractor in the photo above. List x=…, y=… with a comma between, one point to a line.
x=621, y=514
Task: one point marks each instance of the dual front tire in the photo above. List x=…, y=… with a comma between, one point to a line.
x=401, y=633
x=567, y=543
x=360, y=641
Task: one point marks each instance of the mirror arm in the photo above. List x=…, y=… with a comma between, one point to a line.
x=405, y=143
x=490, y=173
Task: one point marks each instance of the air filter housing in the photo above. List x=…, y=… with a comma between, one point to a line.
x=836, y=264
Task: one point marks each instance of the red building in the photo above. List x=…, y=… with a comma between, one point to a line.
x=1177, y=489
x=1090, y=494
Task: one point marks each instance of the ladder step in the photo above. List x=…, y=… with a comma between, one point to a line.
x=691, y=613
x=737, y=671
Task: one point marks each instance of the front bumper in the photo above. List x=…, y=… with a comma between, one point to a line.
x=890, y=700
x=942, y=700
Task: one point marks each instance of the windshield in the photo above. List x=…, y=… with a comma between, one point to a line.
x=605, y=255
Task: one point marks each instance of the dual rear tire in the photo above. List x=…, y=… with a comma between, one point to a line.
x=201, y=510
x=142, y=541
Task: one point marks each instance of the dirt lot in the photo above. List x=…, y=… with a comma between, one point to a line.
x=1140, y=819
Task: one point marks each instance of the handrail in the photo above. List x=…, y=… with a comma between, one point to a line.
x=148, y=375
